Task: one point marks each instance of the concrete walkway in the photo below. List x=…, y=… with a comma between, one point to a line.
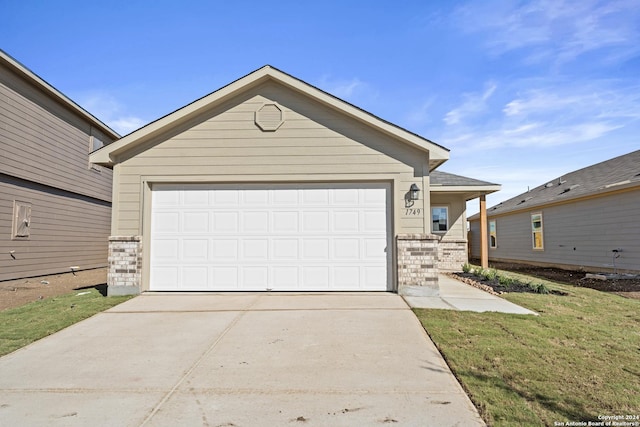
x=455, y=295
x=237, y=360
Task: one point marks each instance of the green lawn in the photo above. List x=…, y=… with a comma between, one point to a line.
x=23, y=325
x=579, y=359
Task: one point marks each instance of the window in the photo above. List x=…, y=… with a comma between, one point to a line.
x=536, y=231
x=21, y=229
x=439, y=219
x=493, y=238
x=95, y=143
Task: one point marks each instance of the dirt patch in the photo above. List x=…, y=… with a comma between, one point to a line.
x=14, y=293
x=629, y=288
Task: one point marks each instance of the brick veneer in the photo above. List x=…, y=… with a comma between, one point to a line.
x=417, y=264
x=452, y=254
x=125, y=265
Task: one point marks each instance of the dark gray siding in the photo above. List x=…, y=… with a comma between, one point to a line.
x=44, y=161
x=66, y=230
x=580, y=234
x=45, y=142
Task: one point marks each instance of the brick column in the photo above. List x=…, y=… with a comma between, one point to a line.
x=452, y=254
x=125, y=265
x=417, y=264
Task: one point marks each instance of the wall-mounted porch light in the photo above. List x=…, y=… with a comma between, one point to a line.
x=413, y=192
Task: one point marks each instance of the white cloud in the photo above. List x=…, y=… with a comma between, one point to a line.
x=422, y=114
x=474, y=104
x=556, y=30
x=106, y=108
x=547, y=116
x=353, y=90
x=346, y=89
x=126, y=125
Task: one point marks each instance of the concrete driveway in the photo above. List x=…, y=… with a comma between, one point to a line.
x=264, y=359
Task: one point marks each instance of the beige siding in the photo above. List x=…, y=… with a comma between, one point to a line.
x=314, y=144
x=457, y=211
x=580, y=234
x=43, y=142
x=66, y=230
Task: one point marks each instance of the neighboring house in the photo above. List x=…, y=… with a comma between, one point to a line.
x=270, y=183
x=55, y=207
x=587, y=219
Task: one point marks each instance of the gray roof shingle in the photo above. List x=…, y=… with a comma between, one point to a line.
x=449, y=179
x=622, y=170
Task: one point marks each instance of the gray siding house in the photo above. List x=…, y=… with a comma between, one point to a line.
x=270, y=183
x=586, y=219
x=55, y=207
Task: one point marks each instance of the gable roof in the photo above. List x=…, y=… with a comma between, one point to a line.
x=108, y=155
x=621, y=172
x=36, y=80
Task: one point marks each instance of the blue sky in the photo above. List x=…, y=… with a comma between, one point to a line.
x=519, y=91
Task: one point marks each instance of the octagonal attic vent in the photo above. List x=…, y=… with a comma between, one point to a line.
x=269, y=117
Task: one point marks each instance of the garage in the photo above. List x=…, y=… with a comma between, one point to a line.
x=280, y=237
x=270, y=183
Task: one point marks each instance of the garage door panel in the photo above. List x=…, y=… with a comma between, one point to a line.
x=225, y=249
x=255, y=198
x=166, y=198
x=346, y=278
x=374, y=276
x=280, y=237
x=195, y=222
x=315, y=222
x=374, y=221
x=375, y=248
x=315, y=197
x=285, y=249
x=255, y=249
x=285, y=278
x=224, y=278
x=315, y=249
x=346, y=196
x=373, y=196
x=196, y=277
x=346, y=249
x=254, y=277
x=255, y=222
x=226, y=222
x=286, y=197
x=164, y=278
x=166, y=222
x=196, y=198
x=316, y=278
x=225, y=198
x=166, y=249
x=346, y=221
x=195, y=250
x=285, y=222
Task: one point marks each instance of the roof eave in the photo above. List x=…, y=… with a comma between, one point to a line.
x=534, y=206
x=470, y=191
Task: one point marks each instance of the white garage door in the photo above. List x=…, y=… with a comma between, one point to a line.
x=275, y=237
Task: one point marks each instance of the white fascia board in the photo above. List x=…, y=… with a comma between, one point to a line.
x=487, y=189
